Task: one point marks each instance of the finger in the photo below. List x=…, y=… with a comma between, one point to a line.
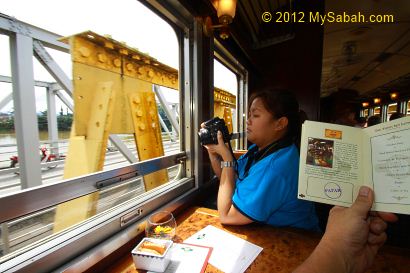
x=377, y=225
x=377, y=239
x=209, y=147
x=363, y=202
x=387, y=216
x=220, y=138
x=373, y=213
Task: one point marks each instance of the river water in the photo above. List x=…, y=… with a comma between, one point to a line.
x=10, y=137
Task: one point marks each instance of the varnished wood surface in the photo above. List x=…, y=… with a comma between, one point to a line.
x=283, y=248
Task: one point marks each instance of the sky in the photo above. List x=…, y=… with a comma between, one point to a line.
x=129, y=22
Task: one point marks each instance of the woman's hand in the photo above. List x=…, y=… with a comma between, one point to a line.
x=221, y=149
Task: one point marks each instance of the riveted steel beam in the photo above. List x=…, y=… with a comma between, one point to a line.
x=112, y=94
x=224, y=103
x=106, y=53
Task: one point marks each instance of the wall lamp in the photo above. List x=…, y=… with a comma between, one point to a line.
x=394, y=95
x=365, y=104
x=377, y=100
x=226, y=12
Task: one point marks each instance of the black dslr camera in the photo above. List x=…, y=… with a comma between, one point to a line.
x=209, y=134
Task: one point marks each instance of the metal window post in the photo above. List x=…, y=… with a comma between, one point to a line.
x=402, y=107
x=383, y=112
x=25, y=118
x=5, y=237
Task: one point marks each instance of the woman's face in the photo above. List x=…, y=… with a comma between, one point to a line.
x=261, y=125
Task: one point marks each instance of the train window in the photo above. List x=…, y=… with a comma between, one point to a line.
x=120, y=88
x=377, y=110
x=392, y=108
x=408, y=108
x=124, y=148
x=231, y=77
x=225, y=96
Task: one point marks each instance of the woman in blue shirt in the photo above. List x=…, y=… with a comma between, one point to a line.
x=262, y=187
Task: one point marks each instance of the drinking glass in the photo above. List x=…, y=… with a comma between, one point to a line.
x=161, y=225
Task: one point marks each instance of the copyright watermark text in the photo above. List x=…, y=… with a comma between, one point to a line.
x=329, y=17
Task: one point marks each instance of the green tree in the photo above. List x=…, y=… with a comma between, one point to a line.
x=64, y=122
x=42, y=121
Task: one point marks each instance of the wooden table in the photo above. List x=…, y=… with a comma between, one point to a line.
x=283, y=248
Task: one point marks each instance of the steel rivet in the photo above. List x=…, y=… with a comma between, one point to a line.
x=101, y=58
x=85, y=52
x=129, y=67
x=151, y=73
x=117, y=62
x=136, y=100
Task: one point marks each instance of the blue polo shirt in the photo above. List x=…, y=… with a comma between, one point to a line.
x=268, y=193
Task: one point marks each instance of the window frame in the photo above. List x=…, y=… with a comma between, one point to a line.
x=99, y=230
x=228, y=60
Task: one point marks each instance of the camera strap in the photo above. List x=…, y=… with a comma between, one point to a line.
x=255, y=156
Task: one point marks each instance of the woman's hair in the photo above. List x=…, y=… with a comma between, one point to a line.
x=281, y=103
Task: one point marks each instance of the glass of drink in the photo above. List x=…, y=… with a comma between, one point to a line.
x=161, y=225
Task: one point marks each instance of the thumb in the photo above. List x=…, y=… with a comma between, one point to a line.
x=363, y=202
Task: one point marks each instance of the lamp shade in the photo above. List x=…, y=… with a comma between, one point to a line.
x=393, y=95
x=226, y=8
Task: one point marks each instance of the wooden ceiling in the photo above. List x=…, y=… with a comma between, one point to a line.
x=262, y=34
x=372, y=58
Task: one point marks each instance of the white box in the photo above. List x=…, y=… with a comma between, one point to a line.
x=150, y=261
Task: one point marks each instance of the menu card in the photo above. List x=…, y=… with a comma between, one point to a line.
x=230, y=253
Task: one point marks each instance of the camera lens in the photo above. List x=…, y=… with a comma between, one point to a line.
x=202, y=132
x=204, y=136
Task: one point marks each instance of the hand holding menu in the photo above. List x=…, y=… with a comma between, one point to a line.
x=336, y=160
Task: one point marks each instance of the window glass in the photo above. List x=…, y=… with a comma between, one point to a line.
x=226, y=95
x=392, y=108
x=146, y=95
x=377, y=110
x=408, y=108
